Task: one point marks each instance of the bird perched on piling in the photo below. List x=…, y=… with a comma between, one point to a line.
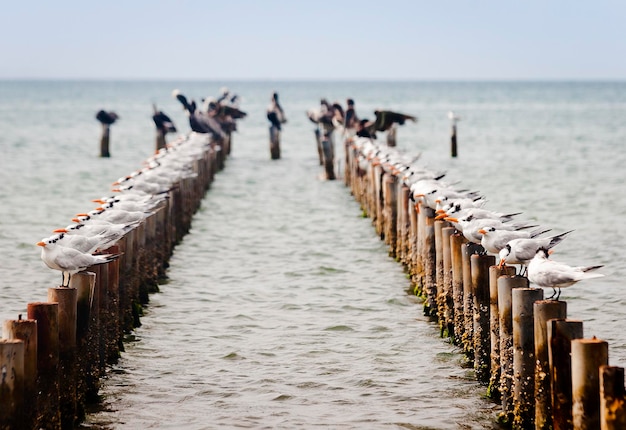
x=163, y=123
x=106, y=118
x=495, y=239
x=69, y=260
x=521, y=251
x=546, y=273
x=199, y=122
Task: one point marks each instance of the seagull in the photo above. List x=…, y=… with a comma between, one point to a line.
x=521, y=251
x=112, y=216
x=88, y=244
x=69, y=260
x=95, y=229
x=132, y=206
x=494, y=239
x=469, y=226
x=546, y=273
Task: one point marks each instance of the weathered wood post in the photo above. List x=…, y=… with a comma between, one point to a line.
x=329, y=157
x=402, y=243
x=523, y=300
x=392, y=135
x=26, y=331
x=440, y=297
x=274, y=142
x=104, y=141
x=560, y=336
x=48, y=407
x=468, y=300
x=390, y=211
x=506, y=284
x=12, y=384
x=480, y=265
x=612, y=398
x=66, y=298
x=413, y=250
x=448, y=302
x=453, y=146
x=457, y=242
x=87, y=343
x=544, y=311
x=495, y=272
x=428, y=258
x=378, y=200
x=588, y=355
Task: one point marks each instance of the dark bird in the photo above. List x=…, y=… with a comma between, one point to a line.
x=199, y=122
x=106, y=118
x=385, y=119
x=163, y=122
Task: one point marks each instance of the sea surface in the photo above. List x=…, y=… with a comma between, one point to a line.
x=282, y=308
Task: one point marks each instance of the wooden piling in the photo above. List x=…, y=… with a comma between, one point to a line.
x=457, y=242
x=506, y=285
x=480, y=265
x=48, y=403
x=588, y=355
x=26, y=331
x=453, y=145
x=87, y=340
x=446, y=290
x=468, y=301
x=402, y=230
x=429, y=282
x=612, y=398
x=523, y=300
x=66, y=299
x=274, y=143
x=104, y=141
x=160, y=139
x=12, y=384
x=544, y=311
x=329, y=158
x=495, y=272
x=390, y=211
x=560, y=336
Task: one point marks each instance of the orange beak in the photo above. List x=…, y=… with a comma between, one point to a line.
x=41, y=244
x=82, y=215
x=76, y=220
x=441, y=216
x=59, y=230
x=99, y=208
x=501, y=264
x=115, y=183
x=116, y=190
x=98, y=201
x=482, y=231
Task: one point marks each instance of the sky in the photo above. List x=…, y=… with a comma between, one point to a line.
x=321, y=40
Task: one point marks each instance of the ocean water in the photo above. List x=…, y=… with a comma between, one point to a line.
x=281, y=308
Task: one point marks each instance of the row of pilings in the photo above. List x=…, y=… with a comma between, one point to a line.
x=52, y=361
x=531, y=357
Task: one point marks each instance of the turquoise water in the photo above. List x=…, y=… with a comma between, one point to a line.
x=282, y=309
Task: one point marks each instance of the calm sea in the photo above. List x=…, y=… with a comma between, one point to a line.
x=282, y=308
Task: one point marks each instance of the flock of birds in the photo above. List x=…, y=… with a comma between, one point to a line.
x=217, y=115
x=73, y=249
x=495, y=233
x=136, y=196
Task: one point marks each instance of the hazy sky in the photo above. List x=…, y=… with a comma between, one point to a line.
x=294, y=39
